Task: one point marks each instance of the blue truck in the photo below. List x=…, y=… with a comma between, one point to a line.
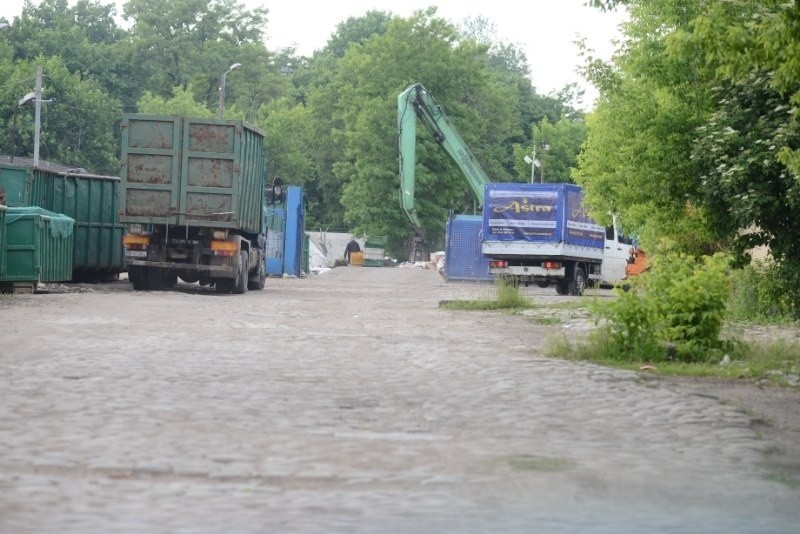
x=542, y=234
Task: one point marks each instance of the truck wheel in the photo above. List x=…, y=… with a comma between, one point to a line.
x=259, y=280
x=158, y=280
x=577, y=284
x=240, y=286
x=137, y=278
x=223, y=285
x=562, y=288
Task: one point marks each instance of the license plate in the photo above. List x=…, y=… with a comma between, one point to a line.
x=136, y=253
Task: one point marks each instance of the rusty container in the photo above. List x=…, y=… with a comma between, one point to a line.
x=181, y=171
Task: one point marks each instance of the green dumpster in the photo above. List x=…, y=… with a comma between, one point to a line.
x=2, y=226
x=37, y=247
x=374, y=251
x=91, y=199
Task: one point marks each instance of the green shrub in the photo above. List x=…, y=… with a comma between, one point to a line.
x=764, y=292
x=675, y=312
x=630, y=328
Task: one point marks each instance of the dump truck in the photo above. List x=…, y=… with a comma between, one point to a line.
x=541, y=233
x=193, y=202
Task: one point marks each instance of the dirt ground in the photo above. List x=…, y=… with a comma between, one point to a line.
x=350, y=402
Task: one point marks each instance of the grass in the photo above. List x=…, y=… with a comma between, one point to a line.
x=776, y=361
x=508, y=297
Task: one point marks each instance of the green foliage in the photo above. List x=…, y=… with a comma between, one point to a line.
x=630, y=332
x=761, y=292
x=677, y=313
x=181, y=42
x=508, y=298
x=358, y=110
x=77, y=129
x=508, y=295
x=695, y=140
x=563, y=140
x=181, y=103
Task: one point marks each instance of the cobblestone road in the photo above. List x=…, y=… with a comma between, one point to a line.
x=349, y=402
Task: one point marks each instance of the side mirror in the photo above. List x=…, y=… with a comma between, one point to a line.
x=274, y=193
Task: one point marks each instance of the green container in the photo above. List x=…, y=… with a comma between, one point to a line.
x=183, y=171
x=374, y=251
x=90, y=199
x=2, y=226
x=37, y=246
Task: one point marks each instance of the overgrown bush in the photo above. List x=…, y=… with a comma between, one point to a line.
x=675, y=311
x=765, y=291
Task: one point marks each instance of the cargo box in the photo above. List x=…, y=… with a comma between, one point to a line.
x=182, y=171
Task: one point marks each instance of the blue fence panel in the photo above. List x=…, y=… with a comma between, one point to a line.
x=463, y=258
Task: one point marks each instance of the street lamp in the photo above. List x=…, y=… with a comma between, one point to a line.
x=221, y=108
x=36, y=98
x=545, y=146
x=531, y=160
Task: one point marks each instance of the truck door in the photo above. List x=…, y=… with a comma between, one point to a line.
x=615, y=256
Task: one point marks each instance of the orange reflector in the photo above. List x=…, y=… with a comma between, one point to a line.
x=225, y=246
x=131, y=239
x=551, y=265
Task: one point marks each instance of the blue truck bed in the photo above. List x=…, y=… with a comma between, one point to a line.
x=539, y=219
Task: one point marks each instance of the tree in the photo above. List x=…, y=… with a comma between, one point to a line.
x=289, y=133
x=77, y=129
x=360, y=103
x=178, y=42
x=653, y=96
x=563, y=141
x=181, y=103
x=85, y=37
x=747, y=185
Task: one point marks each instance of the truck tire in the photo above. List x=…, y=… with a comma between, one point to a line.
x=240, y=285
x=257, y=281
x=137, y=278
x=562, y=288
x=577, y=282
x=158, y=280
x=223, y=285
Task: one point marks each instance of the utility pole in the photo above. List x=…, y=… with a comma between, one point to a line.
x=37, y=128
x=36, y=96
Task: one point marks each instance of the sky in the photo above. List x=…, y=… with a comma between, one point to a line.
x=545, y=29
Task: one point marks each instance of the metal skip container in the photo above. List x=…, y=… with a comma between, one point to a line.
x=37, y=247
x=90, y=199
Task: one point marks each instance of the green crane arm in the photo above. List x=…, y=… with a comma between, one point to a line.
x=415, y=103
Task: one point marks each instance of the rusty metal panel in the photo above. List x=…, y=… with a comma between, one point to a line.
x=151, y=148
x=196, y=172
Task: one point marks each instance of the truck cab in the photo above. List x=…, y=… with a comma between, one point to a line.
x=616, y=254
